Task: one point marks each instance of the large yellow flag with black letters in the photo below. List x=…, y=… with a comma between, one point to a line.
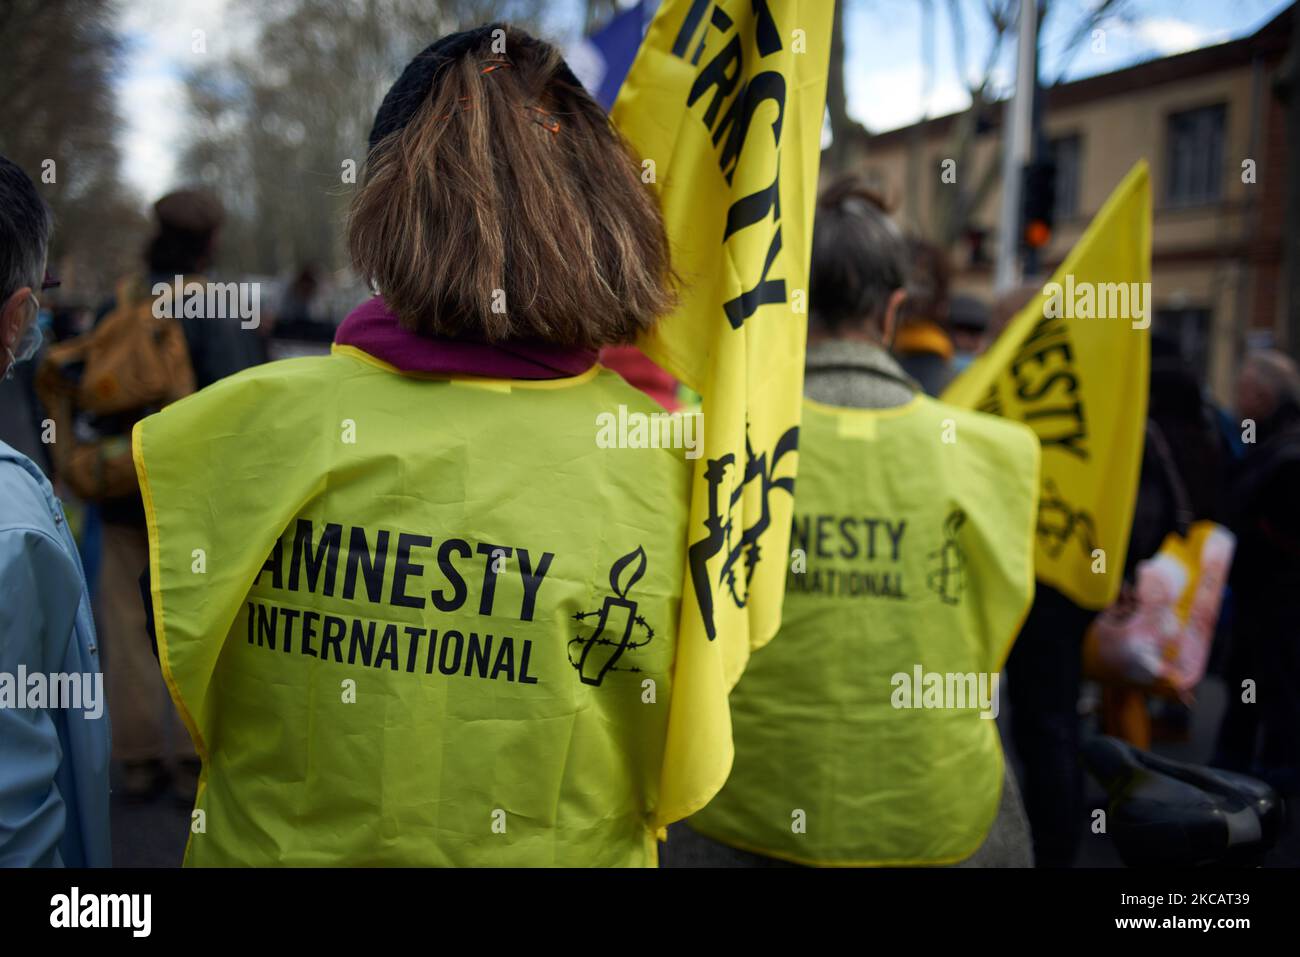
x=1073, y=366
x=724, y=107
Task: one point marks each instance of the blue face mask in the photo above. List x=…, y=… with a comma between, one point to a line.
x=961, y=361
x=29, y=343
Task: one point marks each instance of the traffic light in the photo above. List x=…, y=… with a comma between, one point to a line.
x=1037, y=203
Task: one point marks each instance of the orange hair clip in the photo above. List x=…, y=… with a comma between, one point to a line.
x=546, y=119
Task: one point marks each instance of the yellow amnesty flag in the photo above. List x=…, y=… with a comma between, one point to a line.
x=1073, y=366
x=724, y=107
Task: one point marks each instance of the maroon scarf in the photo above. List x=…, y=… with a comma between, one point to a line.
x=373, y=328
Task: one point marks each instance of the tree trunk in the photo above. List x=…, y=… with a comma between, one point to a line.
x=849, y=138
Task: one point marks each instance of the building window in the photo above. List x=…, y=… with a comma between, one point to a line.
x=1195, y=160
x=1067, y=153
x=1188, y=330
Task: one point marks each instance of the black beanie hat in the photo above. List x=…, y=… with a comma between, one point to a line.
x=403, y=99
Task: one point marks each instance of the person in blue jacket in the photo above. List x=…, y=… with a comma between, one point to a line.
x=54, y=733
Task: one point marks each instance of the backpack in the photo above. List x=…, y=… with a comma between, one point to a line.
x=96, y=386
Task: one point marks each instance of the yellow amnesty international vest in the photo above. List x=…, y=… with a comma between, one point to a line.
x=864, y=731
x=412, y=620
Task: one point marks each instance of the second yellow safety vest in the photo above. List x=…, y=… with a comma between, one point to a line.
x=864, y=732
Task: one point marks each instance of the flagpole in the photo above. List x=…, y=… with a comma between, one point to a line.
x=1016, y=148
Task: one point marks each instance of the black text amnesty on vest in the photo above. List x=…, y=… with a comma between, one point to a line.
x=313, y=565
x=873, y=544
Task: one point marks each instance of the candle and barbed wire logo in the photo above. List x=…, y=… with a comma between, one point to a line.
x=947, y=574
x=1059, y=521
x=619, y=629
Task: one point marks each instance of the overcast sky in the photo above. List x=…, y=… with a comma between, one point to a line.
x=886, y=74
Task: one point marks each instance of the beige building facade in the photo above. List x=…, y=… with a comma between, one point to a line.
x=1212, y=128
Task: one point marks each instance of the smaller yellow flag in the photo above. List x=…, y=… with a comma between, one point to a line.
x=1073, y=365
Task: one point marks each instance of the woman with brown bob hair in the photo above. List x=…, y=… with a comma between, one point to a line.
x=500, y=203
x=427, y=524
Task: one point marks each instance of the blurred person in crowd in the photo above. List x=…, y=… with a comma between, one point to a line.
x=185, y=242
x=1044, y=675
x=815, y=717
x=921, y=343
x=150, y=741
x=53, y=753
x=119, y=352
x=297, y=305
x=22, y=424
x=968, y=324
x=1184, y=460
x=500, y=720
x=295, y=314
x=1182, y=481
x=1262, y=735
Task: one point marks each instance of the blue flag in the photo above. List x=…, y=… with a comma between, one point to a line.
x=602, y=59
